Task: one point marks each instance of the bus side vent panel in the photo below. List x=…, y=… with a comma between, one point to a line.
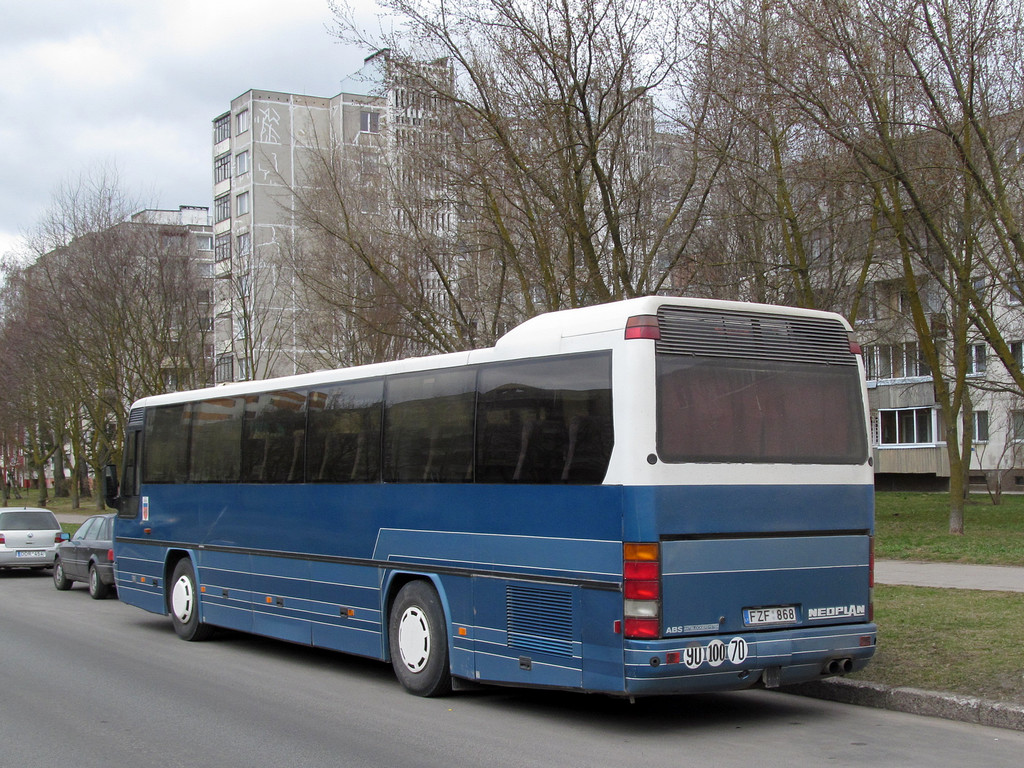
x=539, y=620
x=705, y=332
x=136, y=417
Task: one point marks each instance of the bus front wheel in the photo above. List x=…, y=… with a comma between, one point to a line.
x=418, y=641
x=184, y=603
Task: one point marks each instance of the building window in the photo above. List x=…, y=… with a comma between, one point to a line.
x=204, y=242
x=242, y=122
x=1017, y=350
x=976, y=360
x=242, y=204
x=242, y=163
x=244, y=242
x=224, y=369
x=1014, y=292
x=222, y=247
x=369, y=122
x=895, y=361
x=222, y=129
x=222, y=168
x=906, y=426
x=979, y=422
x=222, y=208
x=1017, y=426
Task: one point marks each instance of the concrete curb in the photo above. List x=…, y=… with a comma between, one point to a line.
x=950, y=706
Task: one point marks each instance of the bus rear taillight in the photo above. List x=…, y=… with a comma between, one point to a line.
x=643, y=327
x=641, y=590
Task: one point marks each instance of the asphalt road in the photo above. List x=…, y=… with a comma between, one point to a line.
x=89, y=683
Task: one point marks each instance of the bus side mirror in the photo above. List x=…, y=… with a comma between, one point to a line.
x=110, y=487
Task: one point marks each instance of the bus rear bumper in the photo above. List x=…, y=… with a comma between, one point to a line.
x=738, y=661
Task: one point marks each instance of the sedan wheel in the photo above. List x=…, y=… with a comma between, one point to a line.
x=60, y=579
x=97, y=589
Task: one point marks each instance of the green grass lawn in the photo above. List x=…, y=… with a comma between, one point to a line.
x=949, y=640
x=915, y=526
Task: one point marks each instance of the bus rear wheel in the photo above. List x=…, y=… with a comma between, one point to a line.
x=418, y=640
x=184, y=603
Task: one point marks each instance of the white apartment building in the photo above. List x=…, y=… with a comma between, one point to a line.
x=264, y=149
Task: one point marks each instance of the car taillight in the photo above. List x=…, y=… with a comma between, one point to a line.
x=2, y=539
x=58, y=538
x=641, y=590
x=110, y=555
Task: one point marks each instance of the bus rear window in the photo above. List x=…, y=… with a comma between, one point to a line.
x=757, y=411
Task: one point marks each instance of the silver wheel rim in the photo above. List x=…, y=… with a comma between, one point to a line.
x=414, y=639
x=58, y=572
x=183, y=599
x=94, y=581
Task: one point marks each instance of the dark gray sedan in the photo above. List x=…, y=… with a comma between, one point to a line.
x=88, y=557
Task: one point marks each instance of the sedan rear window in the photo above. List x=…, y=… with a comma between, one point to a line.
x=28, y=520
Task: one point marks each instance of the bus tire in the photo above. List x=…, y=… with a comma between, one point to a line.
x=418, y=640
x=183, y=602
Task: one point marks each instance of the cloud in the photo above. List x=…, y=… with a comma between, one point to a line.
x=86, y=82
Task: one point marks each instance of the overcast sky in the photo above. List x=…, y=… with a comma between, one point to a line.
x=136, y=84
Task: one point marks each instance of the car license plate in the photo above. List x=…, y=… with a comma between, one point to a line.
x=31, y=553
x=776, y=614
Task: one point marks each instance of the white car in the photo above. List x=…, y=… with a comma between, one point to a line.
x=28, y=537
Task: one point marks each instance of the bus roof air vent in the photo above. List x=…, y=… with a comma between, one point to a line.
x=708, y=332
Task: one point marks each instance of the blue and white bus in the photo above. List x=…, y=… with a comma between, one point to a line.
x=653, y=496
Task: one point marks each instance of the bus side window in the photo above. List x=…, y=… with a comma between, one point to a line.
x=545, y=421
x=216, y=445
x=428, y=427
x=273, y=437
x=165, y=445
x=343, y=444
x=130, y=481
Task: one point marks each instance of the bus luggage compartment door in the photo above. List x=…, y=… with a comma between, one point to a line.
x=744, y=583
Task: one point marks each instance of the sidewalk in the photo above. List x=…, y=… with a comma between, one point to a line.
x=998, y=578
x=950, y=706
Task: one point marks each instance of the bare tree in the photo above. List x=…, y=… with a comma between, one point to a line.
x=530, y=166
x=918, y=91
x=109, y=310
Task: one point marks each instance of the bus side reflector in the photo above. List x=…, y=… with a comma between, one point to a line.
x=643, y=327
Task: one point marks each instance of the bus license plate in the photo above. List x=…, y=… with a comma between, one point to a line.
x=31, y=553
x=776, y=614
